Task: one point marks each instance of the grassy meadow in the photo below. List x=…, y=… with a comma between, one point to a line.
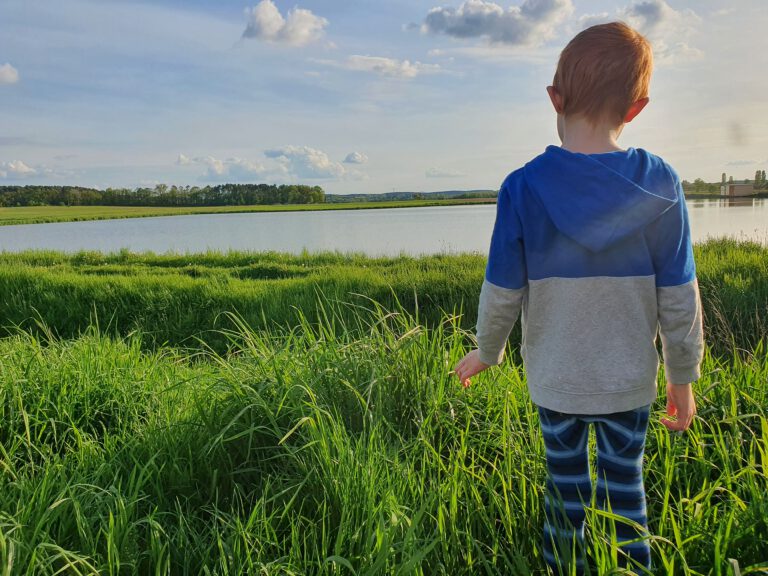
x=47, y=214
x=179, y=299
x=271, y=414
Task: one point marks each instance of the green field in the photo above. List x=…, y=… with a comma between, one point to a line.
x=263, y=414
x=43, y=214
x=179, y=299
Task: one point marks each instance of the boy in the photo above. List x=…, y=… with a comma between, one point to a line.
x=592, y=244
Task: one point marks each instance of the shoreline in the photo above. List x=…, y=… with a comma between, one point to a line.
x=23, y=215
x=55, y=214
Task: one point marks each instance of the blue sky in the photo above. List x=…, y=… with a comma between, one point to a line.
x=353, y=95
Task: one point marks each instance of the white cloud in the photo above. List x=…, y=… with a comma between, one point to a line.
x=589, y=20
x=282, y=164
x=16, y=170
x=298, y=28
x=8, y=74
x=649, y=15
x=438, y=173
x=231, y=169
x=669, y=30
x=388, y=67
x=356, y=158
x=531, y=23
x=306, y=162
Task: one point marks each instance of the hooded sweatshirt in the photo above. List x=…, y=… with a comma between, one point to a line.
x=594, y=251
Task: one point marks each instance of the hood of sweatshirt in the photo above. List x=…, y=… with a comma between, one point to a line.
x=599, y=199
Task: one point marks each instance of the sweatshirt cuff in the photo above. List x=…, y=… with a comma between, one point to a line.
x=682, y=375
x=490, y=358
x=497, y=313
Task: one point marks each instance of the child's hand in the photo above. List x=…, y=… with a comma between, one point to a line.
x=469, y=366
x=680, y=403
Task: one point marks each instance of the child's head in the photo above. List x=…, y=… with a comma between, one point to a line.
x=602, y=73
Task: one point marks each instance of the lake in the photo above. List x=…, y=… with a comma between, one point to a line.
x=381, y=231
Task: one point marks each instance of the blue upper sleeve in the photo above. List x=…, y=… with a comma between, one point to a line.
x=669, y=239
x=506, y=259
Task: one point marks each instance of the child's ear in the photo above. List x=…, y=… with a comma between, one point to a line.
x=556, y=99
x=635, y=109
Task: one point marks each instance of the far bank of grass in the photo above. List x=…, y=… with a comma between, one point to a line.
x=49, y=214
x=181, y=299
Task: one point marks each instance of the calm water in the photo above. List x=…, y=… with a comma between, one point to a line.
x=376, y=232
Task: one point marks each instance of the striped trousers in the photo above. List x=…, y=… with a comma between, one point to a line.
x=620, y=446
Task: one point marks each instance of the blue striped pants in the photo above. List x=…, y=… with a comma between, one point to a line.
x=620, y=446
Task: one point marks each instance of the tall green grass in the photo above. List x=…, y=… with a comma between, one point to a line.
x=342, y=446
x=180, y=299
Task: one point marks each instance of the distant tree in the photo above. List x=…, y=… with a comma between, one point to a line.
x=763, y=180
x=698, y=185
x=161, y=195
x=723, y=180
x=730, y=179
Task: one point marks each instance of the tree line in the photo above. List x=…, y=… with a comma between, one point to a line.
x=162, y=195
x=759, y=183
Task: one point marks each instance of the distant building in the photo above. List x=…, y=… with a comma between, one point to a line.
x=733, y=189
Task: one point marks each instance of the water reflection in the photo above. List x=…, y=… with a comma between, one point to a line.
x=427, y=230
x=741, y=218
x=726, y=202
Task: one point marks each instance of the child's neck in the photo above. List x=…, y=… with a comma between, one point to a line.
x=580, y=135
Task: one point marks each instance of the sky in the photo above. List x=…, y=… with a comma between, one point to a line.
x=357, y=96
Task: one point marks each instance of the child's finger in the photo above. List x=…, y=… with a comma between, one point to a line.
x=673, y=425
x=679, y=425
x=671, y=408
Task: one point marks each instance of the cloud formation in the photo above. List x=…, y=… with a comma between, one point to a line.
x=356, y=158
x=438, y=173
x=529, y=24
x=298, y=28
x=668, y=30
x=388, y=66
x=8, y=74
x=16, y=170
x=589, y=20
x=285, y=163
x=305, y=162
x=231, y=169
